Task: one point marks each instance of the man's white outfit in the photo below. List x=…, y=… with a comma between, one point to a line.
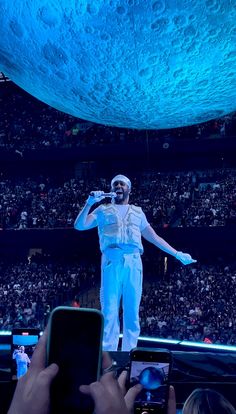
x=22, y=361
x=119, y=229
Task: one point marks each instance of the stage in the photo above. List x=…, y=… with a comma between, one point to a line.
x=195, y=365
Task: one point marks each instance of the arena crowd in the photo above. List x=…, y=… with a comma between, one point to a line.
x=29, y=291
x=190, y=303
x=193, y=304
x=193, y=199
x=28, y=124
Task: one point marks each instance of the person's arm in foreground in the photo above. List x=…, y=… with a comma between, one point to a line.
x=150, y=235
x=108, y=393
x=84, y=220
x=132, y=393
x=32, y=394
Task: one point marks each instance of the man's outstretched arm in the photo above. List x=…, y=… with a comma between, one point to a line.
x=150, y=235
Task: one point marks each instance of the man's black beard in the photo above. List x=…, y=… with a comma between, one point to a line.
x=120, y=200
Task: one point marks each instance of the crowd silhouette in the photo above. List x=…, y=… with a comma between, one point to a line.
x=192, y=304
x=192, y=199
x=28, y=124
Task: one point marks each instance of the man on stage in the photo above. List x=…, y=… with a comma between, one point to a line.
x=22, y=361
x=120, y=227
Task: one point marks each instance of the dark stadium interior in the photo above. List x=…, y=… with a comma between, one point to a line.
x=185, y=181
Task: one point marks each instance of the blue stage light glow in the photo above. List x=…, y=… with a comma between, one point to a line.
x=6, y=333
x=209, y=346
x=159, y=340
x=138, y=64
x=187, y=343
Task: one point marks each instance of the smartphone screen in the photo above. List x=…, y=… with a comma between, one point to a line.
x=23, y=343
x=75, y=344
x=151, y=368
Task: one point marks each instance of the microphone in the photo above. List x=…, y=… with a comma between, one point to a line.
x=112, y=194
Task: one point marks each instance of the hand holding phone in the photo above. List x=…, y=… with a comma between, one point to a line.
x=151, y=368
x=75, y=345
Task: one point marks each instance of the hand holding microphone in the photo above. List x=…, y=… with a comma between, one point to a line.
x=96, y=196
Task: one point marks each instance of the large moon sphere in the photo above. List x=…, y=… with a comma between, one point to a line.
x=145, y=64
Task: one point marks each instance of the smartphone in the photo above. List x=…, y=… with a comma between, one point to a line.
x=151, y=368
x=23, y=343
x=75, y=345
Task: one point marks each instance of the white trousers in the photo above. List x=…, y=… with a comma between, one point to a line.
x=121, y=276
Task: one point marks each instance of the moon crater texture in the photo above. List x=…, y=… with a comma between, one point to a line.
x=127, y=63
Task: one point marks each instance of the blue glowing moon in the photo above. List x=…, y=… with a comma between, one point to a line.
x=151, y=378
x=130, y=63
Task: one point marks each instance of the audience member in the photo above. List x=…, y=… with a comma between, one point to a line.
x=207, y=401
